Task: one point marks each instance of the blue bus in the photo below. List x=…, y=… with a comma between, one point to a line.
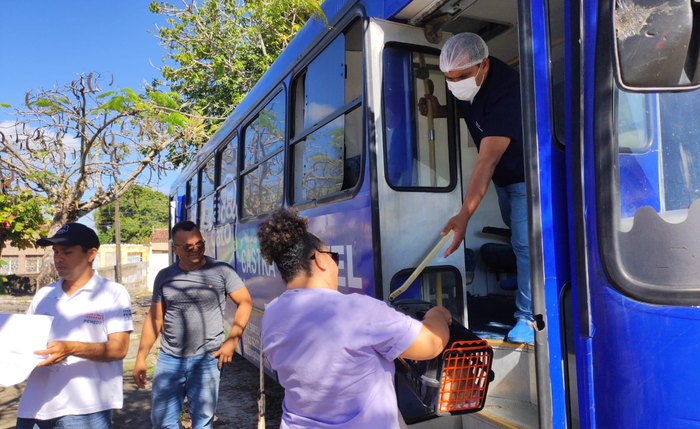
x=612, y=160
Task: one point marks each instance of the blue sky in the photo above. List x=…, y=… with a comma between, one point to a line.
x=49, y=42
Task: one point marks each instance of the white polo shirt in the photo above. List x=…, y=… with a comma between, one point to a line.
x=78, y=386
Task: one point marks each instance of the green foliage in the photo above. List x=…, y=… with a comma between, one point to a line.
x=164, y=99
x=22, y=218
x=116, y=103
x=42, y=102
x=218, y=49
x=142, y=210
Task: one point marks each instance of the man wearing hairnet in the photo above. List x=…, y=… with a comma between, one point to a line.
x=488, y=98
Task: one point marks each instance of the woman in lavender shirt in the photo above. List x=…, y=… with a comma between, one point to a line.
x=334, y=353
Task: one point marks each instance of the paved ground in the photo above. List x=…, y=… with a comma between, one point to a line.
x=237, y=394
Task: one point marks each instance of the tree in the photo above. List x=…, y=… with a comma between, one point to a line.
x=21, y=218
x=219, y=49
x=142, y=210
x=82, y=147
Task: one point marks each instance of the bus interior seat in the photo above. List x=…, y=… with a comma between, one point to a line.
x=499, y=258
x=469, y=265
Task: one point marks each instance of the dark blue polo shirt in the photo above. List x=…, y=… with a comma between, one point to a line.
x=495, y=112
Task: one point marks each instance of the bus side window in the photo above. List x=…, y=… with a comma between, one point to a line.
x=263, y=169
x=327, y=136
x=192, y=199
x=207, y=178
x=353, y=149
x=206, y=197
x=226, y=186
x=417, y=149
x=353, y=120
x=181, y=204
x=229, y=162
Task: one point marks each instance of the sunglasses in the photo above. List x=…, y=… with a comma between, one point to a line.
x=190, y=247
x=335, y=256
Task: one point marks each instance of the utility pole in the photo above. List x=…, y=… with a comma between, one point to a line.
x=117, y=242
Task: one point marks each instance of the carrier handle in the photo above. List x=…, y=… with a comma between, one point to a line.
x=419, y=269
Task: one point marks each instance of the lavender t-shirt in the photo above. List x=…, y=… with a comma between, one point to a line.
x=334, y=354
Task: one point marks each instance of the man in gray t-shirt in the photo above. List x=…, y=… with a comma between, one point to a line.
x=187, y=309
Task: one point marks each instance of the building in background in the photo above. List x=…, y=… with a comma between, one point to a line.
x=22, y=262
x=159, y=256
x=140, y=262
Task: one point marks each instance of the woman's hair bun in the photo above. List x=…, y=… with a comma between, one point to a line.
x=283, y=230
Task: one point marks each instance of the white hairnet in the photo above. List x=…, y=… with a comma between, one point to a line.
x=461, y=51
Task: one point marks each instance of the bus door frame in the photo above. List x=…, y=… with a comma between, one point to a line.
x=404, y=244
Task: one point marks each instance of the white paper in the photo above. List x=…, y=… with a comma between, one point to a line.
x=21, y=335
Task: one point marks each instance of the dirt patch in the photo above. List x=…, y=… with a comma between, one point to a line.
x=237, y=391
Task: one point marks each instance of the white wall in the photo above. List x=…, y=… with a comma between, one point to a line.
x=156, y=262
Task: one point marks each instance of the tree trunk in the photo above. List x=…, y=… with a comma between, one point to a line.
x=117, y=242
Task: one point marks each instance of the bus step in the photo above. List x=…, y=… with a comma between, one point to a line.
x=514, y=372
x=503, y=414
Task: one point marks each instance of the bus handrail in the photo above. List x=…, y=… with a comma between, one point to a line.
x=421, y=266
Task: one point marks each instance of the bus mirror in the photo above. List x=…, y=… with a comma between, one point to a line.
x=655, y=45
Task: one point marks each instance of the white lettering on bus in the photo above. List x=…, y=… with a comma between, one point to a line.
x=250, y=261
x=345, y=266
x=224, y=235
x=253, y=263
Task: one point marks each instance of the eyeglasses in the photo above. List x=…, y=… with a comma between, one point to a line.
x=190, y=247
x=335, y=256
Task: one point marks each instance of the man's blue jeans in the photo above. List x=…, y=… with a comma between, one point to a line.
x=196, y=377
x=98, y=420
x=513, y=204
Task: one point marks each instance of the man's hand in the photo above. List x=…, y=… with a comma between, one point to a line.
x=226, y=351
x=140, y=373
x=57, y=351
x=458, y=224
x=439, y=110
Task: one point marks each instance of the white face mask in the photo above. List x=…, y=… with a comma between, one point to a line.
x=465, y=89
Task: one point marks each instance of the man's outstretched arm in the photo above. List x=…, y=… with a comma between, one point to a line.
x=490, y=153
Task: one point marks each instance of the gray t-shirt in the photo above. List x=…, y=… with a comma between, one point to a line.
x=193, y=306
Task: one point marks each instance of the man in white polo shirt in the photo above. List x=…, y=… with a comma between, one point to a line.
x=80, y=381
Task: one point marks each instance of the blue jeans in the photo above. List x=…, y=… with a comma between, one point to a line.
x=513, y=204
x=98, y=420
x=196, y=377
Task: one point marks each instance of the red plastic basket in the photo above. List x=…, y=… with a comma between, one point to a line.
x=464, y=379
